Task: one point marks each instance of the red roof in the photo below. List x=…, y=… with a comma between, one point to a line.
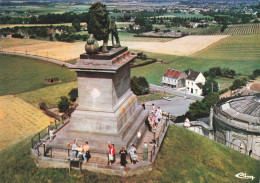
x=172, y=73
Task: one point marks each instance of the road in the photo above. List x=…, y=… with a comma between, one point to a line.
x=177, y=106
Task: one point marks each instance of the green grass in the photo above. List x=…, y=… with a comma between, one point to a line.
x=43, y=95
x=154, y=96
x=19, y=74
x=184, y=157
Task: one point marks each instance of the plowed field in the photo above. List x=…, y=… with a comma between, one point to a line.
x=18, y=120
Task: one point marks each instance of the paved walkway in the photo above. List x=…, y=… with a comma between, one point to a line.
x=45, y=59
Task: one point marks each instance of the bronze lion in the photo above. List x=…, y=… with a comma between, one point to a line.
x=100, y=25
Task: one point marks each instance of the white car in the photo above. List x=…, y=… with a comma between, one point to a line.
x=167, y=98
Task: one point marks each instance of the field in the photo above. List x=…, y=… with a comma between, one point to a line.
x=240, y=29
x=19, y=120
x=184, y=46
x=19, y=74
x=153, y=72
x=234, y=48
x=184, y=157
x=68, y=51
x=43, y=95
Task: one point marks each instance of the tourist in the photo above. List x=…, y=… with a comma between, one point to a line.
x=143, y=105
x=123, y=154
x=80, y=152
x=186, y=123
x=153, y=108
x=111, y=153
x=159, y=114
x=147, y=123
x=240, y=147
x=86, y=153
x=74, y=148
x=152, y=121
x=250, y=152
x=51, y=128
x=134, y=158
x=132, y=150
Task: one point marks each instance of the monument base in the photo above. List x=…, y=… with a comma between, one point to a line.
x=108, y=110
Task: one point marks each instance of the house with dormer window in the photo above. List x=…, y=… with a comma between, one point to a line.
x=194, y=82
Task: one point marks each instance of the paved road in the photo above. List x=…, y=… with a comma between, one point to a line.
x=177, y=106
x=175, y=92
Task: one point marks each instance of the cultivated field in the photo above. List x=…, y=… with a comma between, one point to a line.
x=68, y=51
x=240, y=29
x=184, y=46
x=234, y=48
x=19, y=120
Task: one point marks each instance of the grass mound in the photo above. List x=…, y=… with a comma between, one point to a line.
x=184, y=157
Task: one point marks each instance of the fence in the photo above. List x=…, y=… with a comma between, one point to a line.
x=42, y=136
x=222, y=140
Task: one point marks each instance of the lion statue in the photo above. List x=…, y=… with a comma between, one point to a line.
x=100, y=25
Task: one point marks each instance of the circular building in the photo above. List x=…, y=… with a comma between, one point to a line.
x=237, y=123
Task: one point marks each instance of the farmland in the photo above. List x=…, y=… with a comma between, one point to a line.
x=19, y=120
x=69, y=51
x=240, y=29
x=20, y=74
x=245, y=48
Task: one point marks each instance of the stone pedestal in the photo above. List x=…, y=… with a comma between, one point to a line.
x=108, y=109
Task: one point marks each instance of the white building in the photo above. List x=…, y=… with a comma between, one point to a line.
x=174, y=78
x=194, y=82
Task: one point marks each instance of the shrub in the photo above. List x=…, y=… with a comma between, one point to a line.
x=43, y=106
x=207, y=88
x=223, y=91
x=201, y=108
x=139, y=85
x=73, y=94
x=63, y=104
x=237, y=84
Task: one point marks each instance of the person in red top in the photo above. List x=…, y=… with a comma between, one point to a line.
x=111, y=153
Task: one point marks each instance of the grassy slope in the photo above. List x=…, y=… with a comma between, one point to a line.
x=42, y=95
x=184, y=157
x=20, y=74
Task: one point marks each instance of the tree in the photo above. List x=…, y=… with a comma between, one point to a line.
x=63, y=104
x=202, y=108
x=237, y=84
x=209, y=85
x=76, y=25
x=139, y=85
x=73, y=94
x=211, y=99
